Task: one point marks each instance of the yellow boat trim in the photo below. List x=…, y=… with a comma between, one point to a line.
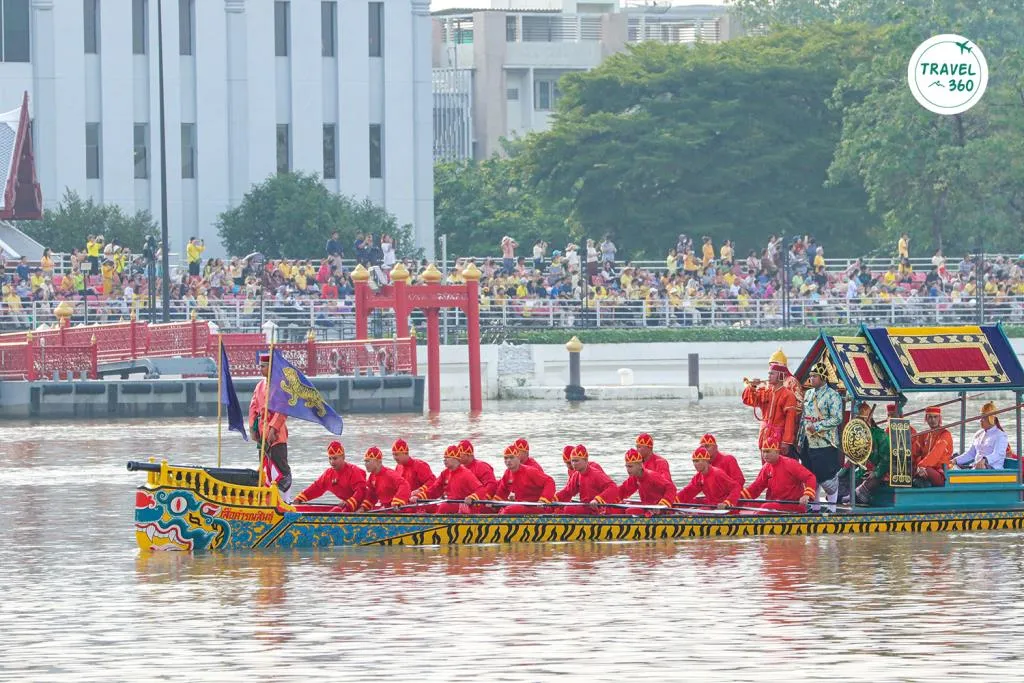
x=850, y=340
x=924, y=331
x=984, y=479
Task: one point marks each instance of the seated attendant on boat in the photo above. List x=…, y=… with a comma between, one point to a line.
x=989, y=445
x=718, y=488
x=413, y=470
x=653, y=461
x=589, y=481
x=524, y=484
x=782, y=479
x=523, y=448
x=931, y=451
x=567, y=458
x=654, y=487
x=875, y=471
x=482, y=470
x=456, y=483
x=723, y=461
x=343, y=479
x=384, y=488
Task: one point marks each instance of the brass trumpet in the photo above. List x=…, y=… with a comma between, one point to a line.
x=753, y=382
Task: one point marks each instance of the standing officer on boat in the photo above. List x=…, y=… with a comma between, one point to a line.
x=778, y=406
x=819, y=432
x=274, y=432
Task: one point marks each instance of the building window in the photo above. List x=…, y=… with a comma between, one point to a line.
x=330, y=151
x=188, y=150
x=511, y=28
x=92, y=151
x=329, y=28
x=512, y=94
x=140, y=24
x=376, y=153
x=186, y=27
x=376, y=29
x=16, y=31
x=284, y=148
x=92, y=26
x=141, y=151
x=545, y=94
x=281, y=21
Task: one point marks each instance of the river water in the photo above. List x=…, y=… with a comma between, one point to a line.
x=78, y=601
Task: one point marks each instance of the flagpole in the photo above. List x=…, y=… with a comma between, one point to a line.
x=266, y=405
x=220, y=389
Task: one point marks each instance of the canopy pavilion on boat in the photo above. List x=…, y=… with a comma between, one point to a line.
x=885, y=364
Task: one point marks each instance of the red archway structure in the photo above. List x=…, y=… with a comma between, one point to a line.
x=430, y=297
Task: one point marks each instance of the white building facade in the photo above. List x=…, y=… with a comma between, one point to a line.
x=252, y=87
x=515, y=53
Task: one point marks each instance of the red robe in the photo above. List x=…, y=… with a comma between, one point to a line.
x=457, y=484
x=654, y=489
x=530, y=485
x=348, y=484
x=532, y=462
x=728, y=464
x=485, y=473
x=785, y=480
x=716, y=485
x=658, y=464
x=780, y=412
x=385, y=489
x=416, y=472
x=592, y=484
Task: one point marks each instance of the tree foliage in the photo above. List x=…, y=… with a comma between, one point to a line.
x=292, y=215
x=66, y=227
x=476, y=203
x=731, y=140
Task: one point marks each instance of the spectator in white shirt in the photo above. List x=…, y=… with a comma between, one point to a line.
x=988, y=447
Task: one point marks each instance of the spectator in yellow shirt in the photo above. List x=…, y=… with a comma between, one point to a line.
x=708, y=252
x=903, y=246
x=194, y=253
x=726, y=254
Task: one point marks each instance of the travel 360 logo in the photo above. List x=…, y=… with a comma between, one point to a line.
x=947, y=74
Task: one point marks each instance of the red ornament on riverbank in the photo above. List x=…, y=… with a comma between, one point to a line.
x=430, y=297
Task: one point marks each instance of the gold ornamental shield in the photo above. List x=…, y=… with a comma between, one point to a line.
x=857, y=441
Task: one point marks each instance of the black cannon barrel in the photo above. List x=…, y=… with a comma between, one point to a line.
x=135, y=466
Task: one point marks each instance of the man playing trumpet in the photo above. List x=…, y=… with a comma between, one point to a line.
x=778, y=406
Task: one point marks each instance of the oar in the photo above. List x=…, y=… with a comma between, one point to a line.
x=793, y=502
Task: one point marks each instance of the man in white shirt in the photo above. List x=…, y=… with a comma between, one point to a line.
x=989, y=445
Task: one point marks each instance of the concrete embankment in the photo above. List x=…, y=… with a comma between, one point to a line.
x=542, y=370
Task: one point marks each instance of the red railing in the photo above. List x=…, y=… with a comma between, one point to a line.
x=69, y=352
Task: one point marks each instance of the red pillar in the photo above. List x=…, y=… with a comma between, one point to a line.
x=472, y=277
x=311, y=367
x=361, y=282
x=432, y=277
x=400, y=283
x=412, y=353
x=433, y=362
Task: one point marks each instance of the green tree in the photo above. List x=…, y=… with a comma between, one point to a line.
x=66, y=227
x=476, y=203
x=731, y=140
x=945, y=180
x=292, y=215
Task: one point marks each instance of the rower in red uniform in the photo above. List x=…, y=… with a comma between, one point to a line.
x=719, y=489
x=456, y=483
x=384, y=487
x=778, y=405
x=589, y=481
x=784, y=479
x=526, y=484
x=523, y=447
x=723, y=461
x=413, y=470
x=343, y=479
x=567, y=458
x=482, y=470
x=653, y=461
x=654, y=488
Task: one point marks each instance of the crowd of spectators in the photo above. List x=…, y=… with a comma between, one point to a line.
x=691, y=284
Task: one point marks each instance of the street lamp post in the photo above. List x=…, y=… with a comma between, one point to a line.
x=165, y=247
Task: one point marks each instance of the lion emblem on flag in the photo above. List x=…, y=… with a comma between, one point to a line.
x=296, y=390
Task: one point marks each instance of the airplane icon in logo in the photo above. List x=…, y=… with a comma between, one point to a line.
x=964, y=47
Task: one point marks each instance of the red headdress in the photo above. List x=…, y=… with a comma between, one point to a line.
x=645, y=439
x=399, y=446
x=633, y=455
x=335, y=448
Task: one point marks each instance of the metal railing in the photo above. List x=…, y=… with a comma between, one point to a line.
x=552, y=28
x=335, y=320
x=674, y=30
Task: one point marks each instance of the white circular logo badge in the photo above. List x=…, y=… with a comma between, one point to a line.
x=947, y=74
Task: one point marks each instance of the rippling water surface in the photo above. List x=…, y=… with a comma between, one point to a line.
x=78, y=601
